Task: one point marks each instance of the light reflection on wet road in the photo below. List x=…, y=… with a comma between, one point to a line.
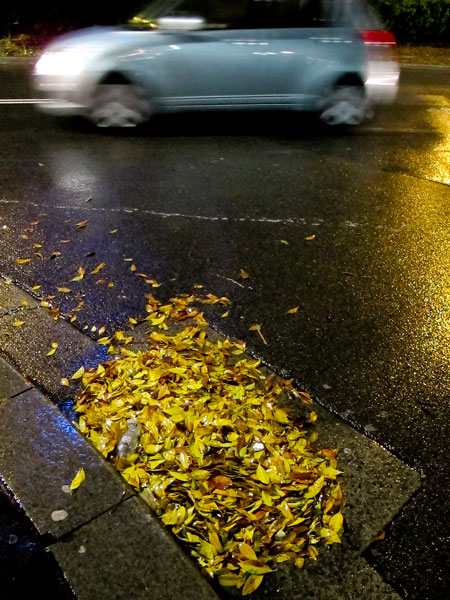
x=198, y=198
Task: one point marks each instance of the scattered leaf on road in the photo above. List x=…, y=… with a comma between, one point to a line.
x=257, y=328
x=292, y=311
x=97, y=269
x=244, y=274
x=52, y=351
x=310, y=237
x=81, y=224
x=23, y=261
x=78, y=373
x=80, y=275
x=78, y=479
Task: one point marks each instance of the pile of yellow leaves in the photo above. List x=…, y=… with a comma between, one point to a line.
x=224, y=466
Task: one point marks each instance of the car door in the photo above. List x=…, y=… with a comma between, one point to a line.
x=253, y=52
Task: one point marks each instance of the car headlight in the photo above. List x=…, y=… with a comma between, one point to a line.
x=67, y=62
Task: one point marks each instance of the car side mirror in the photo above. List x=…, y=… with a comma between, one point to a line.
x=181, y=23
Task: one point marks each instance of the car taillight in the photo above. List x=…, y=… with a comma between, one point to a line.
x=378, y=38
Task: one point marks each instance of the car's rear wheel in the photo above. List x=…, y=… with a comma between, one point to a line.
x=119, y=105
x=346, y=105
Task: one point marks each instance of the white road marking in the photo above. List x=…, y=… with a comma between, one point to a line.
x=287, y=221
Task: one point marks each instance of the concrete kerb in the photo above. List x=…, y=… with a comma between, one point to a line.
x=110, y=539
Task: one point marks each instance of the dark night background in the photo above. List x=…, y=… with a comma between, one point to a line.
x=412, y=21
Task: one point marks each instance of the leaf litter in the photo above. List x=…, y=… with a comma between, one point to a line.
x=198, y=429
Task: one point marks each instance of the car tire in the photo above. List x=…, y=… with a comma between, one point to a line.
x=346, y=105
x=119, y=105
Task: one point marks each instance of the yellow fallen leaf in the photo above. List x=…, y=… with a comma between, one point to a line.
x=247, y=551
x=65, y=381
x=133, y=268
x=81, y=224
x=64, y=290
x=97, y=269
x=292, y=311
x=52, y=351
x=78, y=373
x=310, y=237
x=18, y=323
x=78, y=479
x=262, y=475
x=114, y=231
x=23, y=261
x=336, y=522
x=24, y=303
x=225, y=315
x=36, y=287
x=284, y=242
x=244, y=274
x=252, y=583
x=80, y=275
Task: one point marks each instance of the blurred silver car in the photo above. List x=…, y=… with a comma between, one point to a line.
x=328, y=56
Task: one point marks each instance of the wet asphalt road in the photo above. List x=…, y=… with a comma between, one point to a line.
x=195, y=199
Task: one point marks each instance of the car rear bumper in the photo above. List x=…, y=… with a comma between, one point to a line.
x=382, y=82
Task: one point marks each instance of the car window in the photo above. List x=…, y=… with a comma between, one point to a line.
x=252, y=14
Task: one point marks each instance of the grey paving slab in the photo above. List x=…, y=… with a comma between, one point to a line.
x=338, y=574
x=376, y=484
x=13, y=298
x=26, y=347
x=40, y=452
x=11, y=383
x=126, y=554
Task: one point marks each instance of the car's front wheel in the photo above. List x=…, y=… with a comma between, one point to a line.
x=346, y=105
x=119, y=105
